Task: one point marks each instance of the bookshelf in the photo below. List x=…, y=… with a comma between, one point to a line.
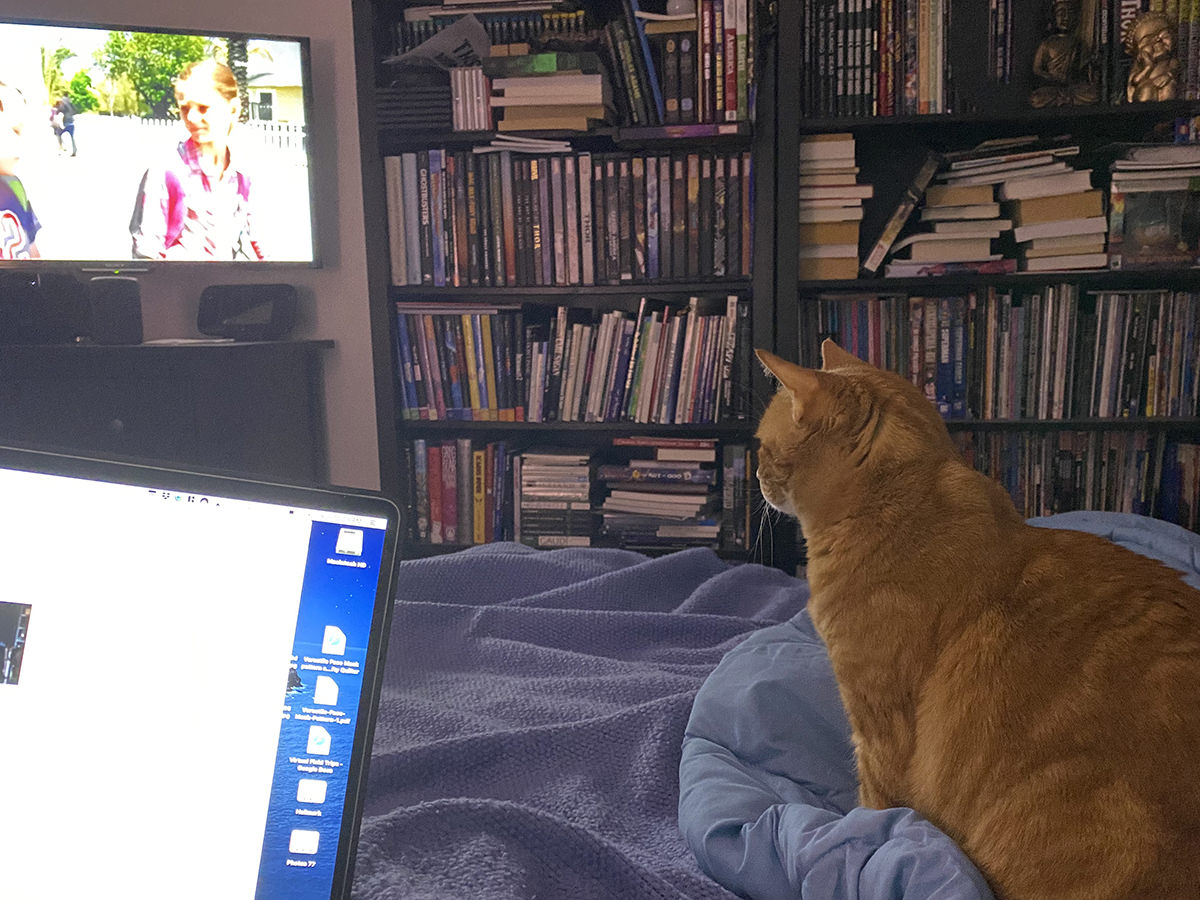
x=641, y=330
x=1036, y=406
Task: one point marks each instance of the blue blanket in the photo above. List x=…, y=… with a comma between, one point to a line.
x=529, y=737
x=767, y=789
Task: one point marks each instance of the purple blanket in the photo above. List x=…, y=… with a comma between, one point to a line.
x=528, y=739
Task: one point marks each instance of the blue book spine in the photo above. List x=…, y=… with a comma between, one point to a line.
x=945, y=371
x=958, y=358
x=616, y=397
x=652, y=214
x=639, y=26
x=453, y=365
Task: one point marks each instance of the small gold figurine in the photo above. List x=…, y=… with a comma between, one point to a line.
x=1149, y=38
x=1062, y=63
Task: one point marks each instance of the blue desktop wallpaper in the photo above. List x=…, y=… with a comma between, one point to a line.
x=338, y=590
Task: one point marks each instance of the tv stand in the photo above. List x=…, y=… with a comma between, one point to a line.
x=251, y=408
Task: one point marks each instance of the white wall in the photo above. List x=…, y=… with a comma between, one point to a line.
x=334, y=298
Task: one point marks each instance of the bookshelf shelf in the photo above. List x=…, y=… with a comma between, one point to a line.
x=590, y=432
x=1091, y=280
x=583, y=295
x=1122, y=423
x=1008, y=116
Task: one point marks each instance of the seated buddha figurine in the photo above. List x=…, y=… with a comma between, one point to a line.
x=1062, y=63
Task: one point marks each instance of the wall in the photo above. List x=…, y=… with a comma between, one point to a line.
x=334, y=298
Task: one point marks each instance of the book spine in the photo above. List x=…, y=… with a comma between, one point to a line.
x=705, y=112
x=437, y=216
x=587, y=248
x=689, y=68
x=394, y=200
x=719, y=242
x=479, y=516
x=560, y=225
x=426, y=217
x=669, y=69
x=638, y=235
x=508, y=217
x=624, y=212
x=449, y=459
x=465, y=504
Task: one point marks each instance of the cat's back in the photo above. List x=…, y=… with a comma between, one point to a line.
x=1078, y=692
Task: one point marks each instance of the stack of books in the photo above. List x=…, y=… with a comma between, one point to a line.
x=830, y=203
x=1154, y=207
x=1058, y=217
x=663, y=495
x=552, y=498
x=553, y=101
x=1022, y=185
x=418, y=106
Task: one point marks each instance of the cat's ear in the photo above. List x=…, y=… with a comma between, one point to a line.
x=806, y=386
x=834, y=357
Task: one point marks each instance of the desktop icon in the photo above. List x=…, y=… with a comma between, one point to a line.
x=334, y=642
x=310, y=790
x=318, y=741
x=349, y=542
x=304, y=841
x=325, y=692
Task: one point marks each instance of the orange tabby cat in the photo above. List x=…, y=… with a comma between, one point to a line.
x=1033, y=692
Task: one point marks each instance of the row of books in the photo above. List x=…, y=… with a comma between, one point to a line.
x=666, y=363
x=459, y=490
x=875, y=57
x=688, y=68
x=504, y=27
x=647, y=492
x=892, y=57
x=1052, y=352
x=507, y=219
x=1117, y=471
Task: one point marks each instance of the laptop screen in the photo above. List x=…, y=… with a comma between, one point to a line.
x=187, y=675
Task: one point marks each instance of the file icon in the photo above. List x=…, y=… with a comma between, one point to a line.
x=349, y=542
x=326, y=691
x=334, y=642
x=304, y=841
x=311, y=790
x=318, y=741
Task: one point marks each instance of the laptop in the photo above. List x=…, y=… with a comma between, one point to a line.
x=189, y=672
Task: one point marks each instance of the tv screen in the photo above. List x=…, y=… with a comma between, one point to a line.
x=123, y=148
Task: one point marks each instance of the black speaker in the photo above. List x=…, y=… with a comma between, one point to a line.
x=116, y=304
x=47, y=308
x=247, y=312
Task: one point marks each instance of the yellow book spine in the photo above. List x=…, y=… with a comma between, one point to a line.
x=479, y=495
x=469, y=368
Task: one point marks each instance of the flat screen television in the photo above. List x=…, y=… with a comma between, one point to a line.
x=130, y=149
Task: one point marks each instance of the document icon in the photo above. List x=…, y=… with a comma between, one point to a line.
x=334, y=643
x=310, y=790
x=326, y=691
x=349, y=542
x=318, y=741
x=304, y=841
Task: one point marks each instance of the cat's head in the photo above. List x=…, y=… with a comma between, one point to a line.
x=848, y=430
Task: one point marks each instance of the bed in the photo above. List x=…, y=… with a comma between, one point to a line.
x=599, y=724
